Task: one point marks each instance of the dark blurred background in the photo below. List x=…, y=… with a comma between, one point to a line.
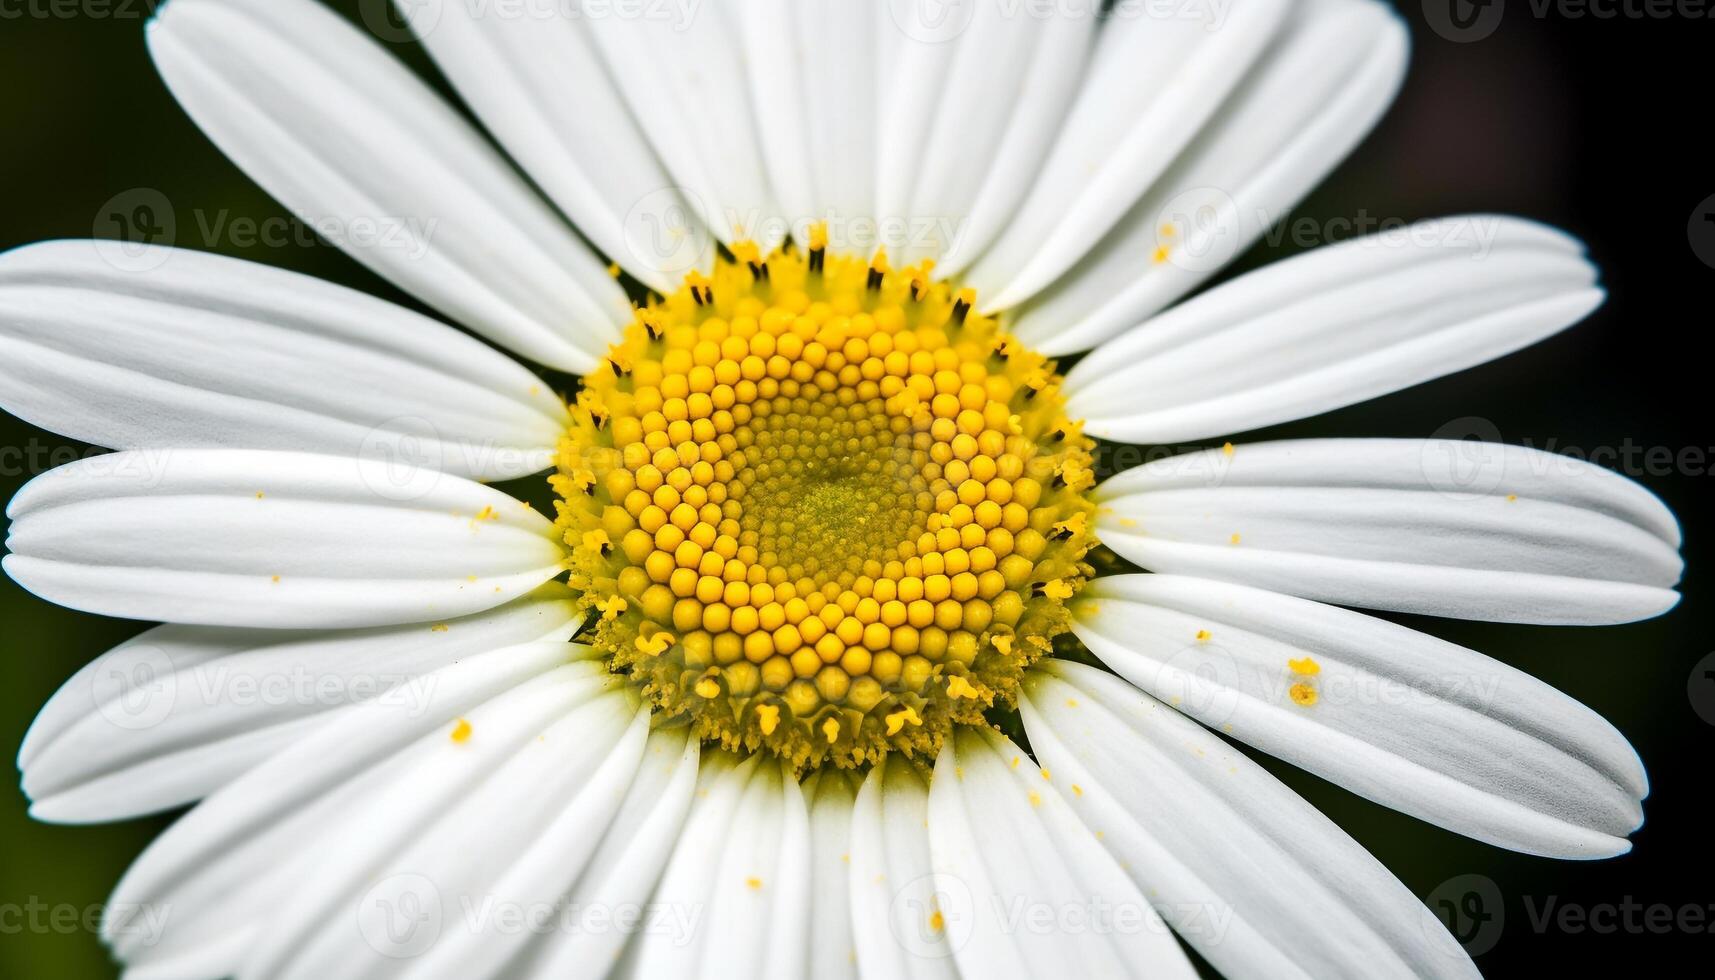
x=1583, y=121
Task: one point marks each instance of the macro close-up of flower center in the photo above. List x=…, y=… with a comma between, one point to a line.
x=821, y=506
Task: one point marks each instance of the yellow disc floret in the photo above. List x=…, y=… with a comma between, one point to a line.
x=823, y=508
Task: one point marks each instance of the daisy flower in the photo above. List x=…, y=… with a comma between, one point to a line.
x=835, y=657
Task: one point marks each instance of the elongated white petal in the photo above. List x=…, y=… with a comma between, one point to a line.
x=777, y=71
x=369, y=157
x=626, y=866
x=996, y=120
x=685, y=83
x=1024, y=888
x=1526, y=537
x=207, y=351
x=1245, y=870
x=349, y=881
x=534, y=78
x=547, y=849
x=893, y=885
x=1417, y=724
x=1153, y=83
x=745, y=858
x=550, y=799
x=830, y=794
x=1311, y=98
x=179, y=711
x=227, y=537
x=1334, y=327
x=227, y=864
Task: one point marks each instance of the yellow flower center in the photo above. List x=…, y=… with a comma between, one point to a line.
x=823, y=508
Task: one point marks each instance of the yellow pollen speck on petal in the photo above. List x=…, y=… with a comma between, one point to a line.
x=1016, y=760
x=959, y=687
x=1044, y=771
x=1512, y=497
x=1077, y=790
x=831, y=730
x=1203, y=636
x=276, y=580
x=753, y=883
x=1160, y=255
x=1071, y=702
x=1035, y=798
x=461, y=732
x=1303, y=694
x=259, y=495
x=1226, y=449
x=438, y=628
x=1235, y=537
x=937, y=921
x=613, y=269
x=1307, y=666
x=708, y=688
x=488, y=513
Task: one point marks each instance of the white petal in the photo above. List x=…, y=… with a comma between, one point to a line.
x=686, y=85
x=1385, y=524
x=1023, y=888
x=776, y=70
x=745, y=859
x=348, y=892
x=1244, y=870
x=541, y=814
x=539, y=864
x=228, y=863
x=835, y=44
x=228, y=537
x=207, y=351
x=1412, y=722
x=1153, y=83
x=1334, y=327
x=893, y=885
x=177, y=712
x=627, y=865
x=830, y=794
x=368, y=156
x=997, y=116
x=534, y=78
x=1311, y=98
